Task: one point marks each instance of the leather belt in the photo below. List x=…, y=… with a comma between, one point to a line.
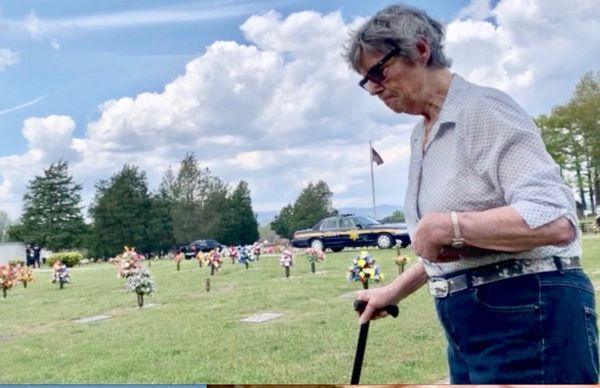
x=441, y=287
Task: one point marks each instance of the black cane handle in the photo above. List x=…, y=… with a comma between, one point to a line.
x=360, y=305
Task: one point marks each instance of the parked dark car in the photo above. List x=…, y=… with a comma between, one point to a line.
x=191, y=250
x=348, y=230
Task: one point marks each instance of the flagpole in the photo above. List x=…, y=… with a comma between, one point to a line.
x=372, y=179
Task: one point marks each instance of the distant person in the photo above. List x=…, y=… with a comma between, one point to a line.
x=29, y=258
x=37, y=250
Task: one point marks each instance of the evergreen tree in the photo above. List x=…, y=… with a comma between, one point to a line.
x=187, y=200
x=215, y=211
x=160, y=225
x=312, y=205
x=120, y=213
x=52, y=214
x=241, y=222
x=282, y=224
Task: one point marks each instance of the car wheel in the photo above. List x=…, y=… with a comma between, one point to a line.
x=337, y=249
x=385, y=241
x=317, y=243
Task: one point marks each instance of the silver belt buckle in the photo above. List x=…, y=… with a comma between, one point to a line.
x=438, y=287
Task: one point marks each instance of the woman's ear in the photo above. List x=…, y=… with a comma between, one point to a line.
x=424, y=51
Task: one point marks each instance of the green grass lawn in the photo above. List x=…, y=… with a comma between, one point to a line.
x=194, y=336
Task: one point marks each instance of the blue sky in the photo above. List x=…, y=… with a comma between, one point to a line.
x=92, y=81
x=122, y=57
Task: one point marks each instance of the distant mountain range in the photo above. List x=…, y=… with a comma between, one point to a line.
x=383, y=211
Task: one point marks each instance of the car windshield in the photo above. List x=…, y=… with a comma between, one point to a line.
x=364, y=221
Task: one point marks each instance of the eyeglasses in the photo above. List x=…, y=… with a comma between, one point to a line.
x=375, y=73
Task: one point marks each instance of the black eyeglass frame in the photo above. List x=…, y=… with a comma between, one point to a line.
x=375, y=73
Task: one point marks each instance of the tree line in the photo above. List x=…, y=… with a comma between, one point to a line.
x=571, y=133
x=189, y=204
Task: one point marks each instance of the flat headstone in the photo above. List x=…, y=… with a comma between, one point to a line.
x=320, y=272
x=150, y=305
x=260, y=318
x=95, y=318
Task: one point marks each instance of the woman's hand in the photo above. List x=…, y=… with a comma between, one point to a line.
x=433, y=232
x=377, y=299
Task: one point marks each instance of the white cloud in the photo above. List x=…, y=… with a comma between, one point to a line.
x=284, y=109
x=535, y=50
x=8, y=58
x=32, y=25
x=41, y=27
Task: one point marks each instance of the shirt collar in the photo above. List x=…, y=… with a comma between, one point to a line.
x=453, y=105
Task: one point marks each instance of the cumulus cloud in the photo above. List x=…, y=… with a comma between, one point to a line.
x=535, y=50
x=282, y=108
x=8, y=58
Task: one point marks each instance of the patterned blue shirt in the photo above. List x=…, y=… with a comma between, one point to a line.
x=485, y=152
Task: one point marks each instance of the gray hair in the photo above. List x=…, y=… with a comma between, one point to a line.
x=398, y=26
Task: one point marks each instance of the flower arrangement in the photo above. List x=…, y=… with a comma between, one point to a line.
x=178, y=257
x=244, y=256
x=61, y=274
x=8, y=278
x=256, y=248
x=286, y=260
x=233, y=254
x=128, y=263
x=141, y=283
x=314, y=255
x=214, y=261
x=400, y=261
x=24, y=274
x=363, y=269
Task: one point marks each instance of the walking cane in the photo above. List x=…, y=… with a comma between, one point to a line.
x=359, y=305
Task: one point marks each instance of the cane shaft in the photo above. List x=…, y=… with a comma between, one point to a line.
x=360, y=353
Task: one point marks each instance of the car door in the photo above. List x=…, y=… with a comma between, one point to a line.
x=330, y=231
x=349, y=232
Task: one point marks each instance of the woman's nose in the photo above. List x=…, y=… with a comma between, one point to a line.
x=374, y=88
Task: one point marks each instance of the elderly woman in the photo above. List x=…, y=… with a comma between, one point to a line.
x=490, y=218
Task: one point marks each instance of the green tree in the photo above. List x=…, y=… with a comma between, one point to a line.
x=312, y=205
x=241, y=225
x=187, y=199
x=396, y=216
x=52, y=214
x=160, y=225
x=572, y=136
x=282, y=224
x=120, y=213
x=214, y=208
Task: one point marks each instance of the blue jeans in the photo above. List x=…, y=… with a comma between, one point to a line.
x=531, y=329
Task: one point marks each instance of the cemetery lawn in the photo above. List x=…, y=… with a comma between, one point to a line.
x=193, y=336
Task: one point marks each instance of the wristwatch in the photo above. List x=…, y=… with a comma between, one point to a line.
x=457, y=241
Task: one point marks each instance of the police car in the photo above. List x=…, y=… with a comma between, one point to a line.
x=348, y=230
